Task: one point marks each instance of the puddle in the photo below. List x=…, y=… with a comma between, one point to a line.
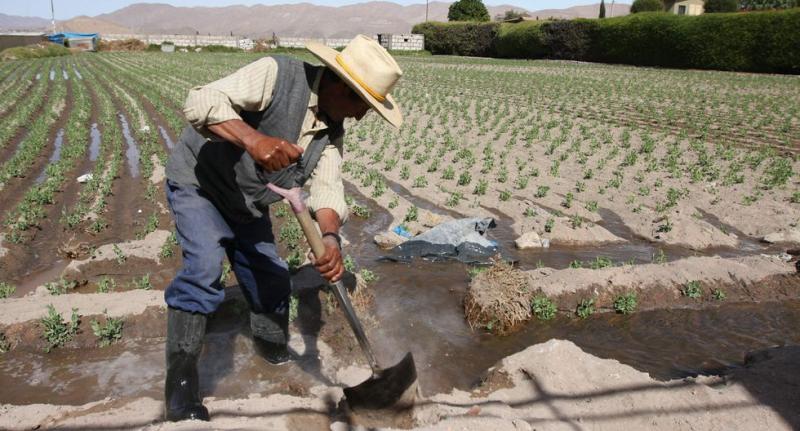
x=64, y=74
x=167, y=139
x=94, y=144
x=56, y=156
x=77, y=72
x=52, y=74
x=38, y=76
x=40, y=276
x=132, y=152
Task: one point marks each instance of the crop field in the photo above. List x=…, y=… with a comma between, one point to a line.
x=618, y=191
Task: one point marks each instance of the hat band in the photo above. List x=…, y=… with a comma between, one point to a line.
x=358, y=79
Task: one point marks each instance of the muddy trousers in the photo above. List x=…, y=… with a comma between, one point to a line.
x=206, y=237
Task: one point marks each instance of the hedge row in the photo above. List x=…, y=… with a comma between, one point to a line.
x=754, y=41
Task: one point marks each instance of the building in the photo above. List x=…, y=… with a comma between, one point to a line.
x=402, y=42
x=13, y=39
x=685, y=7
x=82, y=41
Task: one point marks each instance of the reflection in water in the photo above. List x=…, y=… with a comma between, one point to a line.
x=132, y=152
x=94, y=145
x=56, y=156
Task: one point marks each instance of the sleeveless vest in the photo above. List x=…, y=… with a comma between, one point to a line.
x=228, y=176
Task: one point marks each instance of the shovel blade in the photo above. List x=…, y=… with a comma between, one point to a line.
x=394, y=387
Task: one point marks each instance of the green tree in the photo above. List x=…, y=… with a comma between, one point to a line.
x=602, y=8
x=468, y=10
x=647, y=6
x=714, y=6
x=768, y=4
x=511, y=14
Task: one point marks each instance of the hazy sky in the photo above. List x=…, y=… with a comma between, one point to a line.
x=66, y=9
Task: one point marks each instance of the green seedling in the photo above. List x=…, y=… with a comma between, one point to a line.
x=6, y=289
x=719, y=294
x=411, y=215
x=549, y=224
x=543, y=308
x=143, y=282
x=121, y=258
x=108, y=332
x=692, y=290
x=55, y=331
x=106, y=284
x=294, y=303
x=60, y=287
x=367, y=275
x=585, y=308
x=625, y=303
x=5, y=345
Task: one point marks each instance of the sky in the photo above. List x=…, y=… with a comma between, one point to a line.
x=66, y=9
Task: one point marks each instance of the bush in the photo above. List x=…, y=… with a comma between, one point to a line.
x=459, y=38
x=467, y=10
x=647, y=6
x=521, y=40
x=568, y=39
x=716, y=6
x=34, y=51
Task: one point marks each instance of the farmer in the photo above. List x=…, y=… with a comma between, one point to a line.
x=277, y=120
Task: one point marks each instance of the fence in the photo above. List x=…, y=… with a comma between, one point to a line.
x=407, y=42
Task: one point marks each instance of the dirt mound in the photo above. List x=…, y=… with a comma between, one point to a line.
x=498, y=299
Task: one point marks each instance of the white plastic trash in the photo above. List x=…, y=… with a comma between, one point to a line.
x=85, y=178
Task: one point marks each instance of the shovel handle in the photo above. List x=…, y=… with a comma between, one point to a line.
x=318, y=248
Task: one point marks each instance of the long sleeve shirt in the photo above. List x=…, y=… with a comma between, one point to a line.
x=250, y=89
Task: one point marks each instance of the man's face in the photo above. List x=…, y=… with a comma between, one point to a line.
x=338, y=102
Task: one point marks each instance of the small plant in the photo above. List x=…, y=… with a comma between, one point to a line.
x=55, y=331
x=394, y=202
x=464, y=179
x=106, y=284
x=6, y=290
x=625, y=303
x=665, y=227
x=719, y=294
x=795, y=199
x=349, y=263
x=567, y=202
x=454, y=199
x=692, y=290
x=5, y=345
x=473, y=271
x=294, y=303
x=412, y=214
x=576, y=264
x=420, y=182
x=109, y=332
x=281, y=211
x=405, y=173
x=549, y=224
x=361, y=211
x=480, y=188
x=585, y=308
x=591, y=206
x=449, y=173
x=121, y=258
x=660, y=257
x=601, y=262
x=541, y=191
x=529, y=212
x=543, y=308
x=60, y=287
x=367, y=275
x=505, y=195
x=576, y=221
x=143, y=282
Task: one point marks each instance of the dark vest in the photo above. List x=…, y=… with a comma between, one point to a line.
x=228, y=176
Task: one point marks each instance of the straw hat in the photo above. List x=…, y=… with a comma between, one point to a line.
x=368, y=69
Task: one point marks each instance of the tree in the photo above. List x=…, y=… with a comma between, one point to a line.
x=768, y=4
x=647, y=6
x=468, y=10
x=714, y=6
x=603, y=8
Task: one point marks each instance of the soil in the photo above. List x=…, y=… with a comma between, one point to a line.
x=554, y=385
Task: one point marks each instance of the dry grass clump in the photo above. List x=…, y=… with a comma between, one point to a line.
x=498, y=299
x=121, y=45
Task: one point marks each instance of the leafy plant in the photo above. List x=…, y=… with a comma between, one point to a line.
x=367, y=275
x=6, y=289
x=549, y=224
x=55, y=331
x=692, y=290
x=585, y=308
x=142, y=282
x=108, y=332
x=106, y=284
x=625, y=303
x=719, y=294
x=60, y=287
x=294, y=304
x=543, y=308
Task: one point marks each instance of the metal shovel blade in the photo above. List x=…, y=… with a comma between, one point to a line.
x=394, y=387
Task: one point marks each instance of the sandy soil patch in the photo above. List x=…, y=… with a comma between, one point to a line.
x=147, y=248
x=550, y=386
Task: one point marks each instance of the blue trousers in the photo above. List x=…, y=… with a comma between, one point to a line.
x=206, y=237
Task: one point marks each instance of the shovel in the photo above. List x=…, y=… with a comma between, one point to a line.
x=393, y=387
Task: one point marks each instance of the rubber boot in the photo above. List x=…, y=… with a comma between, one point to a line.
x=271, y=335
x=185, y=333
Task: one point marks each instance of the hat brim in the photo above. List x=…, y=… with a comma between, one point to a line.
x=388, y=109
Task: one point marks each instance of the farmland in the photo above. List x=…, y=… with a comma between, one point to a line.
x=658, y=191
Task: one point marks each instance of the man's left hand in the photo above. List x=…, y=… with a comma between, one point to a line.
x=330, y=265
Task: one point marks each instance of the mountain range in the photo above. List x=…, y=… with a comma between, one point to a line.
x=302, y=19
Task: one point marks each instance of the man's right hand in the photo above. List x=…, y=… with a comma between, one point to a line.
x=273, y=154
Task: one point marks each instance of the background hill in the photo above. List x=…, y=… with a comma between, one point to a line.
x=303, y=19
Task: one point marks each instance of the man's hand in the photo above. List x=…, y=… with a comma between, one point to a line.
x=272, y=154
x=330, y=265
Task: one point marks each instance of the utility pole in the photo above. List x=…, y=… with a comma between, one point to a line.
x=426, y=10
x=53, y=16
x=612, y=9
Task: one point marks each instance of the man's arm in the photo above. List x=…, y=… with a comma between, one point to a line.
x=215, y=108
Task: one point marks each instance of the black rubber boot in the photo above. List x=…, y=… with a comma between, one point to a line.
x=271, y=335
x=185, y=333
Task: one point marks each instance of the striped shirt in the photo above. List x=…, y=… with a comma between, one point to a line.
x=250, y=89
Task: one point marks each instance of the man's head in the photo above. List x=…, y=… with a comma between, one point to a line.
x=368, y=70
x=338, y=101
